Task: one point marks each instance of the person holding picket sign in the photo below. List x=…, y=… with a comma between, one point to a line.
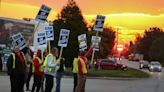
x=83, y=69
x=50, y=69
x=38, y=72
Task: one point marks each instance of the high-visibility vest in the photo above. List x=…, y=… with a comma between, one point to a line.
x=41, y=68
x=50, y=69
x=58, y=65
x=13, y=54
x=75, y=65
x=84, y=65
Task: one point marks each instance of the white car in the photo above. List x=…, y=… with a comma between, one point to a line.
x=155, y=66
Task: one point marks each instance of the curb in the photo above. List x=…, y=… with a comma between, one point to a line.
x=109, y=78
x=103, y=78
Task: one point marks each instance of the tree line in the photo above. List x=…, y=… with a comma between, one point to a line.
x=151, y=44
x=70, y=17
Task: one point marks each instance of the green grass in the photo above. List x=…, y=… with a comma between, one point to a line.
x=130, y=73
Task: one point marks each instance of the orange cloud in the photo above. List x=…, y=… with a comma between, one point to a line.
x=133, y=15
x=20, y=11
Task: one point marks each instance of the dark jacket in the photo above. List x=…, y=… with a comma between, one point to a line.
x=20, y=68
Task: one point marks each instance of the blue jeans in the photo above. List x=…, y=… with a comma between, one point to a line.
x=58, y=80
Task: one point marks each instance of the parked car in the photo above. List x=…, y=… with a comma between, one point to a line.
x=109, y=64
x=143, y=64
x=155, y=66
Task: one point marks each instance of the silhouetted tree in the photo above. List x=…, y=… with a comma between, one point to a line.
x=107, y=42
x=70, y=18
x=156, y=50
x=144, y=43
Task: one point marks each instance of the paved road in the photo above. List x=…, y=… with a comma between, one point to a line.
x=131, y=64
x=92, y=85
x=153, y=84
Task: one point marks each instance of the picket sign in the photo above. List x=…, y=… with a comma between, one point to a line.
x=49, y=35
x=41, y=39
x=41, y=18
x=99, y=26
x=82, y=42
x=43, y=13
x=95, y=42
x=19, y=40
x=63, y=39
x=93, y=53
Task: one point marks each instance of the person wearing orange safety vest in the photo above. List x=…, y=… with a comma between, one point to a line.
x=75, y=71
x=50, y=69
x=83, y=69
x=16, y=69
x=38, y=72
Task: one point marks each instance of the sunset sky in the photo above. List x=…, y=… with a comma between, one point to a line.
x=132, y=15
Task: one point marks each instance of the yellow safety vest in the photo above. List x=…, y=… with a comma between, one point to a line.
x=50, y=69
x=58, y=65
x=75, y=65
x=41, y=68
x=84, y=66
x=13, y=54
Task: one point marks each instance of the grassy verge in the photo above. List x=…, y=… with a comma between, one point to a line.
x=130, y=73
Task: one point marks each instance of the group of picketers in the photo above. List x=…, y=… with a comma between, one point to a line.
x=23, y=64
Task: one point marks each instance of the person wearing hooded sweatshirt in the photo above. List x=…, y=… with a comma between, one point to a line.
x=83, y=69
x=16, y=69
x=38, y=72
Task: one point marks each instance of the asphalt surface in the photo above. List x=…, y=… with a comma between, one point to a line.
x=92, y=85
x=153, y=84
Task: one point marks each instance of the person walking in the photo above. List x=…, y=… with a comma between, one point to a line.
x=75, y=71
x=50, y=69
x=16, y=69
x=83, y=69
x=60, y=67
x=38, y=72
